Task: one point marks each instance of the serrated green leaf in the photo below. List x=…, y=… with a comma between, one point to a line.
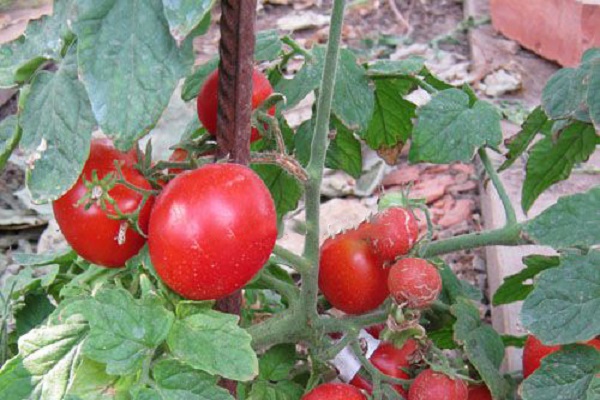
x=199, y=340
x=305, y=81
x=483, y=346
x=593, y=93
x=42, y=40
x=514, y=288
x=57, y=124
x=35, y=311
x=410, y=66
x=565, y=93
x=91, y=382
x=449, y=130
x=285, y=189
x=10, y=135
x=569, y=374
x=535, y=123
x=185, y=15
x=572, y=221
x=268, y=45
x=16, y=382
x=392, y=118
x=564, y=305
x=551, y=162
x=284, y=390
x=130, y=64
x=344, y=152
x=124, y=331
x=277, y=362
x=64, y=256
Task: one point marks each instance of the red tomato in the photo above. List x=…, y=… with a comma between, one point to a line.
x=391, y=361
x=178, y=156
x=334, y=391
x=375, y=330
x=429, y=385
x=414, y=282
x=91, y=233
x=207, y=101
x=394, y=232
x=534, y=351
x=479, y=392
x=211, y=230
x=351, y=276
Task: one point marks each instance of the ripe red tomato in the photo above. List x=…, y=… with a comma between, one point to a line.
x=414, y=282
x=534, y=351
x=479, y=392
x=394, y=232
x=351, y=276
x=207, y=101
x=429, y=385
x=91, y=233
x=390, y=360
x=334, y=391
x=211, y=230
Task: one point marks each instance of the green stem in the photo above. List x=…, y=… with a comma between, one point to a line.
x=372, y=370
x=329, y=325
x=293, y=260
x=288, y=326
x=287, y=290
x=296, y=47
x=511, y=216
x=317, y=160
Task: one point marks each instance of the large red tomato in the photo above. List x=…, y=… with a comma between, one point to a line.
x=392, y=361
x=90, y=232
x=534, y=351
x=414, y=282
x=211, y=230
x=334, y=391
x=351, y=275
x=208, y=106
x=394, y=232
x=429, y=385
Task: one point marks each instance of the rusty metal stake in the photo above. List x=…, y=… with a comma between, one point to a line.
x=236, y=49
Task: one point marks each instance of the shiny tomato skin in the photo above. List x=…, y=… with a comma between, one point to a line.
x=534, y=351
x=392, y=361
x=334, y=391
x=414, y=282
x=211, y=230
x=91, y=233
x=351, y=276
x=207, y=101
x=394, y=232
x=429, y=385
x=479, y=392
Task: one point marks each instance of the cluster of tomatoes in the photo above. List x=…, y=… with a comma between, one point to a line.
x=209, y=231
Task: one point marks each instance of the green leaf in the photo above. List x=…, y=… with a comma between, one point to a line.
x=277, y=362
x=443, y=338
x=305, y=81
x=10, y=135
x=515, y=287
x=64, y=256
x=483, y=346
x=16, y=382
x=572, y=221
x=285, y=189
x=284, y=390
x=91, y=382
x=130, y=64
x=344, y=152
x=593, y=94
x=410, y=66
x=35, y=311
x=268, y=45
x=535, y=123
x=514, y=341
x=177, y=381
x=185, y=15
x=57, y=124
x=392, y=118
x=124, y=331
x=569, y=374
x=551, y=162
x=193, y=83
x=565, y=303
x=565, y=93
x=199, y=341
x=43, y=40
x=453, y=288
x=449, y=130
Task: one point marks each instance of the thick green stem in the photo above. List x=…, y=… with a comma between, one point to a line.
x=286, y=327
x=511, y=217
x=317, y=159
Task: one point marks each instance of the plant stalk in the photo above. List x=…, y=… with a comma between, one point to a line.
x=511, y=216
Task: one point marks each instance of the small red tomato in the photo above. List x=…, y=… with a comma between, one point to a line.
x=414, y=282
x=211, y=230
x=207, y=101
x=394, y=232
x=479, y=392
x=91, y=232
x=429, y=385
x=375, y=330
x=392, y=361
x=334, y=391
x=534, y=351
x=351, y=276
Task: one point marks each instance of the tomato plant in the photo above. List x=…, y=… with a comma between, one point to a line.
x=209, y=297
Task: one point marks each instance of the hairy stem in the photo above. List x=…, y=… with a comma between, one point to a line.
x=511, y=217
